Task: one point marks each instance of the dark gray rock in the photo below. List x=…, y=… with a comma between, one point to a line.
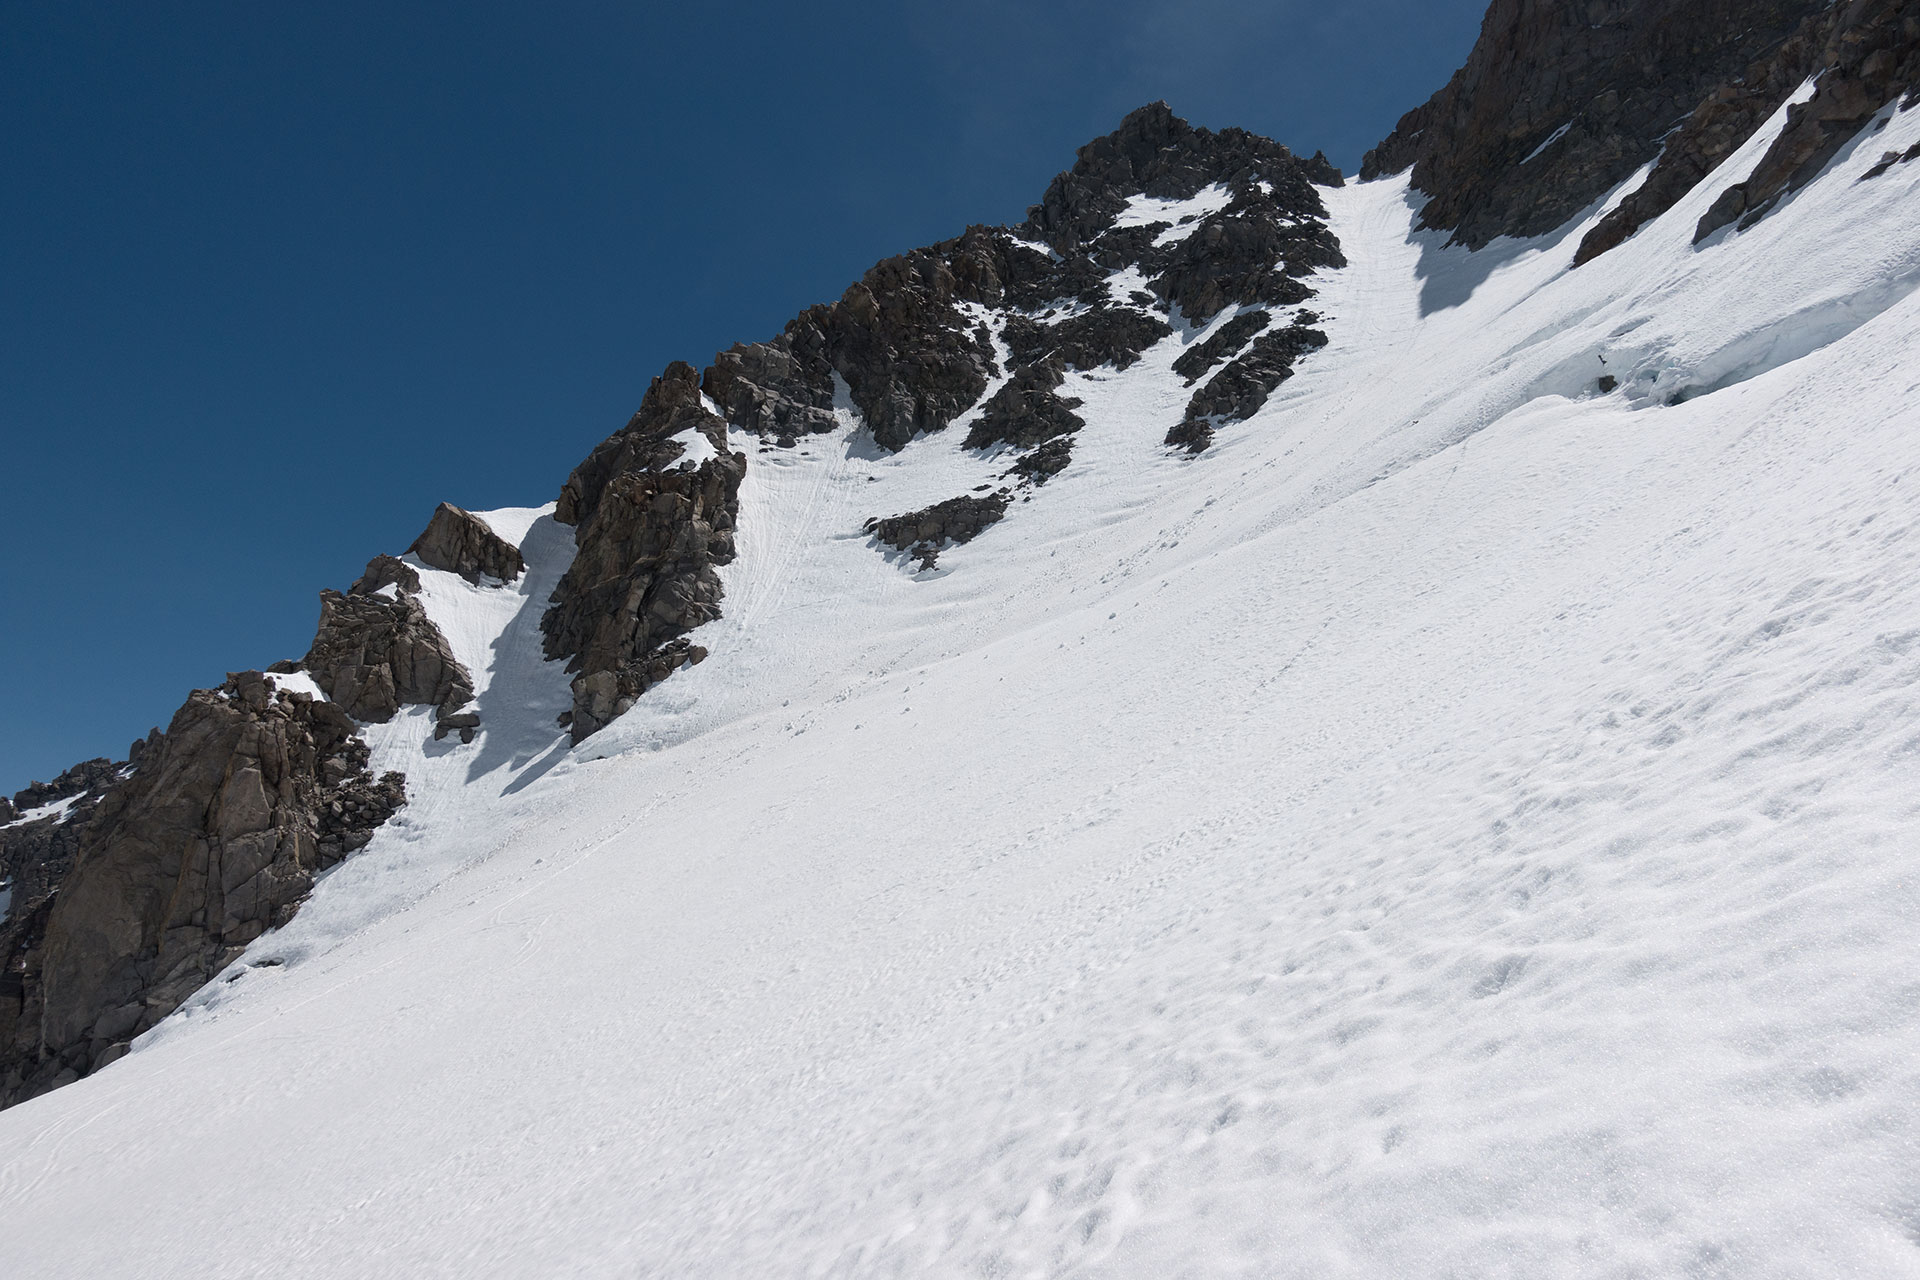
x=1103, y=335
x=1227, y=341
x=1026, y=411
x=460, y=542
x=1616, y=74
x=924, y=533
x=1867, y=55
x=1044, y=463
x=648, y=535
x=1239, y=390
x=778, y=388
x=36, y=854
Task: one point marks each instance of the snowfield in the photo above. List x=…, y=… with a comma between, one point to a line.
x=1463, y=824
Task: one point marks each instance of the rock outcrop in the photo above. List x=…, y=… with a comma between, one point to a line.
x=649, y=532
x=212, y=838
x=1866, y=54
x=1239, y=390
x=42, y=825
x=461, y=542
x=1559, y=103
x=922, y=534
x=373, y=654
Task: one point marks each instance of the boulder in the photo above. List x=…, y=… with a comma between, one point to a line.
x=461, y=542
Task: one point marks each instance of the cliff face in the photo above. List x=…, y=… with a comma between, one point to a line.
x=211, y=839
x=1560, y=101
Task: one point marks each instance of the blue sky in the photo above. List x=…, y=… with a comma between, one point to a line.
x=276, y=279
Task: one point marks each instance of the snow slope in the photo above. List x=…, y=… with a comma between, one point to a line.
x=1462, y=824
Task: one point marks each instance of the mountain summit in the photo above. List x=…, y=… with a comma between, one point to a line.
x=1247, y=724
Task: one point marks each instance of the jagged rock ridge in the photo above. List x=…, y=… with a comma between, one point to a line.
x=920, y=340
x=1559, y=103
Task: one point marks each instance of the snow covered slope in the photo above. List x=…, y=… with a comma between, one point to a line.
x=1461, y=824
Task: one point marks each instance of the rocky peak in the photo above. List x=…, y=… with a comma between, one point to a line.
x=1156, y=153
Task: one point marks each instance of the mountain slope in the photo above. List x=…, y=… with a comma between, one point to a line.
x=1459, y=823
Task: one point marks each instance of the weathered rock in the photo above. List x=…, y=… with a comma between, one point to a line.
x=465, y=723
x=1888, y=159
x=600, y=697
x=1155, y=153
x=1867, y=55
x=373, y=654
x=775, y=388
x=1102, y=335
x=35, y=853
x=211, y=840
x=1239, y=390
x=461, y=542
x=671, y=407
x=1226, y=341
x=1558, y=103
x=1027, y=411
x=386, y=571
x=648, y=538
x=925, y=532
x=1046, y=462
x=912, y=360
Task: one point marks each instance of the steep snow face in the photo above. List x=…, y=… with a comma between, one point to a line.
x=1462, y=823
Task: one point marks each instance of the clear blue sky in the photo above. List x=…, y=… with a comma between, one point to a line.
x=275, y=279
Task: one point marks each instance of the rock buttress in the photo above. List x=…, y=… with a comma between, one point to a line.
x=649, y=532
x=1558, y=103
x=213, y=838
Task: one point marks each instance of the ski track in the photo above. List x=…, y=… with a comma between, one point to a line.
x=1460, y=825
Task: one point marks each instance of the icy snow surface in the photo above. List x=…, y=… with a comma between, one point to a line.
x=1463, y=824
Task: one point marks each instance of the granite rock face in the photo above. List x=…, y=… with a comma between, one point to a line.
x=374, y=653
x=461, y=542
x=211, y=838
x=1560, y=102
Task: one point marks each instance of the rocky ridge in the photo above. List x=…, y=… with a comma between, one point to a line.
x=132, y=884
x=1558, y=104
x=994, y=320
